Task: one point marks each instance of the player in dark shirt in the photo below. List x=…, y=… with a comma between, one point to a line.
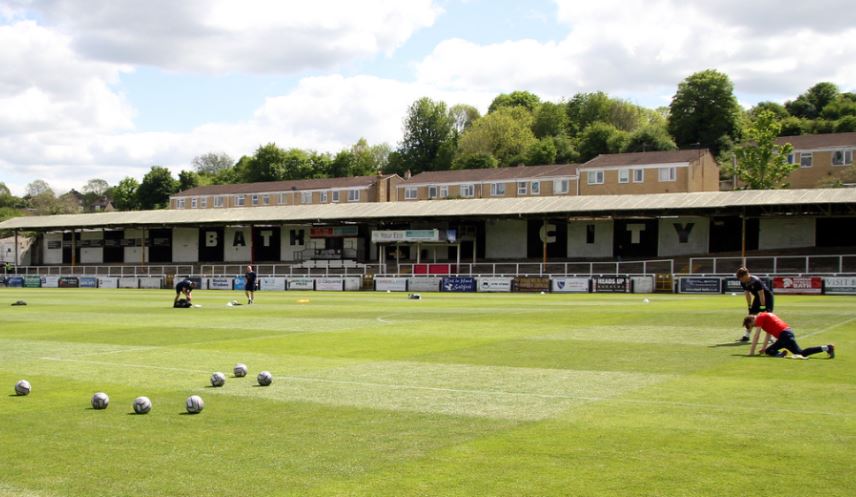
x=184, y=286
x=250, y=286
x=758, y=296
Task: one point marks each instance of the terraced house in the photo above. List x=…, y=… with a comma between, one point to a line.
x=821, y=158
x=676, y=171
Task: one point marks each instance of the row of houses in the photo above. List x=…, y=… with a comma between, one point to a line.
x=820, y=157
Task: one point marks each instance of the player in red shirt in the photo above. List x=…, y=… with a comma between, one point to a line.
x=784, y=335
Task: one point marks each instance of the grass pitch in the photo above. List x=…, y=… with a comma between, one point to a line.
x=451, y=395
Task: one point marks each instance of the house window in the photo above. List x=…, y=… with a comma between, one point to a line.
x=468, y=191
x=535, y=188
x=255, y=200
x=638, y=175
x=444, y=191
x=561, y=186
x=203, y=202
x=842, y=157
x=281, y=199
x=353, y=195
x=522, y=188
x=239, y=200
x=193, y=203
x=323, y=197
x=595, y=177
x=497, y=189
x=790, y=158
x=806, y=159
x=624, y=175
x=218, y=201
x=179, y=204
x=410, y=193
x=432, y=191
x=668, y=174
x=305, y=197
x=336, y=196
x=266, y=199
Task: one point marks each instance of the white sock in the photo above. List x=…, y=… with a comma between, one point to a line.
x=824, y=348
x=747, y=334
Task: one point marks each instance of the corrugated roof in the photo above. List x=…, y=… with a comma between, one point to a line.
x=645, y=158
x=560, y=205
x=493, y=174
x=281, y=186
x=808, y=142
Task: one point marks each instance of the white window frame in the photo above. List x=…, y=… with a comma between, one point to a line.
x=624, y=175
x=809, y=162
x=432, y=191
x=336, y=196
x=522, y=188
x=411, y=193
x=667, y=174
x=468, y=190
x=305, y=198
x=846, y=157
x=595, y=177
x=203, y=203
x=638, y=175
x=353, y=195
x=266, y=199
x=561, y=185
x=497, y=189
x=194, y=203
x=179, y=203
x=239, y=200
x=219, y=200
x=323, y=197
x=255, y=199
x=444, y=191
x=535, y=188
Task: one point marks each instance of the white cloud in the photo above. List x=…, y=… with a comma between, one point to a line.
x=222, y=36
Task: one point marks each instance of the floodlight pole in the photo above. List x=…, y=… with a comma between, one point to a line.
x=743, y=238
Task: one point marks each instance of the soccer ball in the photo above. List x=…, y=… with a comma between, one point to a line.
x=218, y=379
x=194, y=404
x=240, y=370
x=142, y=405
x=23, y=387
x=264, y=378
x=100, y=401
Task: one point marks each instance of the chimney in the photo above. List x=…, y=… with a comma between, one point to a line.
x=407, y=174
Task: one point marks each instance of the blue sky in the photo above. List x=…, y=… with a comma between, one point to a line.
x=106, y=89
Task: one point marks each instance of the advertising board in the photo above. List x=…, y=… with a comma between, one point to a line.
x=805, y=285
x=301, y=284
x=330, y=284
x=570, y=285
x=494, y=284
x=423, y=284
x=383, y=284
x=610, y=284
x=699, y=284
x=458, y=284
x=840, y=285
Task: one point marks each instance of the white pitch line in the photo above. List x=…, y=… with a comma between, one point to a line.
x=117, y=351
x=830, y=327
x=123, y=365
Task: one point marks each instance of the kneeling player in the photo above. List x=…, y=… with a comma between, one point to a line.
x=758, y=296
x=184, y=286
x=783, y=334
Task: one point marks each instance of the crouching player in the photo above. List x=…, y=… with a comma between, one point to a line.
x=185, y=287
x=784, y=335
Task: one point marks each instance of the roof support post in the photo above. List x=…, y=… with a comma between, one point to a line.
x=17, y=260
x=743, y=238
x=73, y=247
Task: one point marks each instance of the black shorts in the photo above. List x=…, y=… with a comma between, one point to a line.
x=756, y=306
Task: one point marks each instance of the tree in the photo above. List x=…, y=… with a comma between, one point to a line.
x=586, y=108
x=463, y=116
x=845, y=124
x=842, y=106
x=541, y=152
x=475, y=161
x=761, y=163
x=777, y=109
x=600, y=138
x=524, y=99
x=267, y=164
x=6, y=197
x=125, y=194
x=550, y=120
x=566, y=153
x=156, y=187
x=505, y=134
x=811, y=103
x=96, y=187
x=427, y=143
x=39, y=187
x=187, y=180
x=705, y=112
x=648, y=139
x=212, y=163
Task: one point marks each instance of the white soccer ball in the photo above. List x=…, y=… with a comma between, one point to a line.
x=240, y=370
x=23, y=387
x=100, y=401
x=264, y=378
x=218, y=379
x=142, y=405
x=195, y=404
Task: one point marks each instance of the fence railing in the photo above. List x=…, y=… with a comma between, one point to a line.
x=784, y=264
x=98, y=270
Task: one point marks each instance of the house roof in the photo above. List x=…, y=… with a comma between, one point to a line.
x=493, y=174
x=662, y=203
x=281, y=186
x=645, y=158
x=809, y=142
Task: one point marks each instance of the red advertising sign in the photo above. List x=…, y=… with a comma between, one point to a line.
x=798, y=284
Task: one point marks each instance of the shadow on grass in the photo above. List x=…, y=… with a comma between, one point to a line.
x=729, y=344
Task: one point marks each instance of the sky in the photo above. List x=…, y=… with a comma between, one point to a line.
x=108, y=88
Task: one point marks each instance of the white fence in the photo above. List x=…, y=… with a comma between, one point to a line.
x=785, y=264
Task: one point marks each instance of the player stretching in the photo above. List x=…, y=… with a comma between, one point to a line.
x=184, y=286
x=250, y=285
x=758, y=296
x=783, y=334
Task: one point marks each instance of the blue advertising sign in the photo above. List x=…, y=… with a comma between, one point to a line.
x=88, y=282
x=458, y=284
x=699, y=285
x=240, y=282
x=15, y=282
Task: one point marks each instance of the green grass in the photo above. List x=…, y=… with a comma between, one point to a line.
x=453, y=395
